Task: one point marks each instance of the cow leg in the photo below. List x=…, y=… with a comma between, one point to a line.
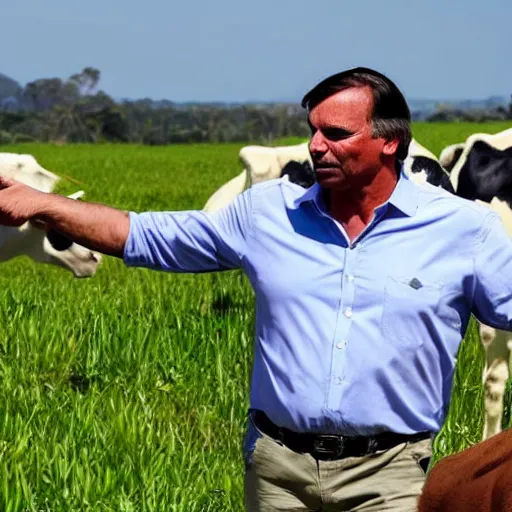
x=495, y=375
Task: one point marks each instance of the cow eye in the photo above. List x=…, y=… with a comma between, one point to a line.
x=58, y=241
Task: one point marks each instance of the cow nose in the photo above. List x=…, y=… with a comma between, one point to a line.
x=95, y=257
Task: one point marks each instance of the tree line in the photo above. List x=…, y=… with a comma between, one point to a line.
x=76, y=110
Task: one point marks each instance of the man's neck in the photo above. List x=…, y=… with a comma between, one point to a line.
x=353, y=209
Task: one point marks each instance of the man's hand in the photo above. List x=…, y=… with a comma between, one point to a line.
x=95, y=226
x=18, y=202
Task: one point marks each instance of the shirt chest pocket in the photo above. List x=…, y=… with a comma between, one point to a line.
x=409, y=310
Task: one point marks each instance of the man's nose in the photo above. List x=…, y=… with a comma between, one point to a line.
x=317, y=144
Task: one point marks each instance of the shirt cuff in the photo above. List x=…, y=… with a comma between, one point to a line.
x=131, y=256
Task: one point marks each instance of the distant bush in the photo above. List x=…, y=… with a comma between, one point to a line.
x=22, y=137
x=5, y=137
x=452, y=115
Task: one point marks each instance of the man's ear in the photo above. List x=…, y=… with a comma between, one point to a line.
x=391, y=147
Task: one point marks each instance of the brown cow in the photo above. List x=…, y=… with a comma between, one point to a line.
x=478, y=479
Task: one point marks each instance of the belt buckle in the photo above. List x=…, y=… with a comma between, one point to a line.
x=328, y=445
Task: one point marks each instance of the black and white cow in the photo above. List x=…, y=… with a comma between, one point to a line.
x=483, y=172
x=498, y=348
x=422, y=166
x=294, y=163
x=484, y=169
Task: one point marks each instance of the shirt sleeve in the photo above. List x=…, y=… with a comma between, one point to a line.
x=492, y=293
x=190, y=241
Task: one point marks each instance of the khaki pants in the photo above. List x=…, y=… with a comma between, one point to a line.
x=278, y=478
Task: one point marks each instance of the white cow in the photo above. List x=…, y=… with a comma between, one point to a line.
x=294, y=163
x=227, y=192
x=34, y=239
x=262, y=163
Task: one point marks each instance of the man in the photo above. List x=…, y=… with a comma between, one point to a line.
x=364, y=286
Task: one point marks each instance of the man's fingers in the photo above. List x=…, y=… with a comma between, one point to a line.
x=6, y=182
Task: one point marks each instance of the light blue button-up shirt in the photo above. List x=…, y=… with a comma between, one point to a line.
x=350, y=338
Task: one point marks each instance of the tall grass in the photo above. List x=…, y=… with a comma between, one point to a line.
x=128, y=391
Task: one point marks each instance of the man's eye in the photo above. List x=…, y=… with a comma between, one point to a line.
x=336, y=134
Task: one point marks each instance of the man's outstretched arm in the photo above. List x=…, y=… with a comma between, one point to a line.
x=183, y=241
x=98, y=227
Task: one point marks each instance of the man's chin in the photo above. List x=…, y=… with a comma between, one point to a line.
x=328, y=174
x=331, y=181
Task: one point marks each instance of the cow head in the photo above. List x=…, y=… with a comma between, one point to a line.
x=268, y=163
x=432, y=171
x=45, y=245
x=450, y=155
x=486, y=173
x=262, y=163
x=33, y=238
x=26, y=169
x=421, y=166
x=300, y=173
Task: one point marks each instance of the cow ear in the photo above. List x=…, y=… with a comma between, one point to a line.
x=77, y=195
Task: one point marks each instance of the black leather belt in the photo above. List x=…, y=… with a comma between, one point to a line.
x=330, y=447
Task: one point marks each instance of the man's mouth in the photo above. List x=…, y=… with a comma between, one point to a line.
x=325, y=169
x=324, y=165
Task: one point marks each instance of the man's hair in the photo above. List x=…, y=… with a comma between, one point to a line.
x=390, y=118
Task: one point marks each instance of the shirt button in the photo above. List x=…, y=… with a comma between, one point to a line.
x=338, y=380
x=341, y=344
x=348, y=312
x=350, y=278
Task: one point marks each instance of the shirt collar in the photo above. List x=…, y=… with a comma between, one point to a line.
x=404, y=196
x=312, y=194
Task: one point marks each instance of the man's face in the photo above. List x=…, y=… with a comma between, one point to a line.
x=344, y=153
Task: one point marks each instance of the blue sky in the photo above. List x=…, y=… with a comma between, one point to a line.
x=227, y=50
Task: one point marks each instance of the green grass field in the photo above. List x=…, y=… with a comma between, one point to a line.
x=128, y=391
